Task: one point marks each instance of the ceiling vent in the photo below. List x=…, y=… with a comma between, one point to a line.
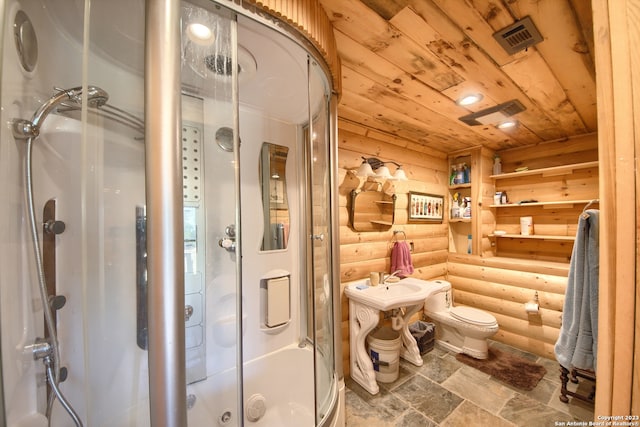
x=493, y=115
x=518, y=36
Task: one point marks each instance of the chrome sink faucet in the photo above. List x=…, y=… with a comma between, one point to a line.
x=389, y=276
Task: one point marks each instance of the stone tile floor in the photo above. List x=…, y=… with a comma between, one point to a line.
x=445, y=392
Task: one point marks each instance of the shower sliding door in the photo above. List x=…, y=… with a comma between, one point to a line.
x=320, y=258
x=111, y=311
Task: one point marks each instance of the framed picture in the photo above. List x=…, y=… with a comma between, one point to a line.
x=425, y=207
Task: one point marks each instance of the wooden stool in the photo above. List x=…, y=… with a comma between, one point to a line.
x=573, y=374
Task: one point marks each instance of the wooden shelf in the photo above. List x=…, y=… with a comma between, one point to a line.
x=459, y=219
x=546, y=205
x=553, y=171
x=382, y=222
x=457, y=186
x=534, y=236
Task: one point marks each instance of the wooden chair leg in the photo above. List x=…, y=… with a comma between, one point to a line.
x=564, y=378
x=572, y=375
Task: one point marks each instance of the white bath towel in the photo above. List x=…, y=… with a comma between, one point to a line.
x=578, y=340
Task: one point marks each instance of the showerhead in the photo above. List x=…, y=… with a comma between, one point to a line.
x=96, y=97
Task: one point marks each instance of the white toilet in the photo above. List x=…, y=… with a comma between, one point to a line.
x=460, y=329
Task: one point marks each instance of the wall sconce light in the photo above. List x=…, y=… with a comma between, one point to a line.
x=371, y=164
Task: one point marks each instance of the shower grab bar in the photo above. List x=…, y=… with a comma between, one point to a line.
x=110, y=112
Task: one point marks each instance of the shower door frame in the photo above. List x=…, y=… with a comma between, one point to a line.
x=3, y=414
x=165, y=260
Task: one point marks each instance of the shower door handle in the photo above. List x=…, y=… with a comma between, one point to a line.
x=141, y=278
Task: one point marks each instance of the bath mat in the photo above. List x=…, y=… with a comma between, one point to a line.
x=507, y=367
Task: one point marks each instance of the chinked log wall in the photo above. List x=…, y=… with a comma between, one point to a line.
x=499, y=285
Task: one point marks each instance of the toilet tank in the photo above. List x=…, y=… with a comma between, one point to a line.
x=440, y=300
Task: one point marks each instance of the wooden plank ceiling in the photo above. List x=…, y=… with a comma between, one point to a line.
x=405, y=62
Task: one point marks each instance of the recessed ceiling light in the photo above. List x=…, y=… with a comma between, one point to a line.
x=469, y=99
x=507, y=124
x=200, y=34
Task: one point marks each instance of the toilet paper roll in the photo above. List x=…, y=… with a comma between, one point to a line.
x=532, y=307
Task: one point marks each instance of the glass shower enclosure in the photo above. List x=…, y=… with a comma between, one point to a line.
x=178, y=265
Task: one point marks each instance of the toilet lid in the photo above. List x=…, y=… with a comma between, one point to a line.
x=472, y=315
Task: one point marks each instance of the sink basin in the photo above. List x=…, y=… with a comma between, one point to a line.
x=408, y=291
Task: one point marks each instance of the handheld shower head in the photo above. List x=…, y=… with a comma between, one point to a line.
x=96, y=97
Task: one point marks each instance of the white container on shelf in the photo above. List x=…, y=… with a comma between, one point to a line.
x=526, y=226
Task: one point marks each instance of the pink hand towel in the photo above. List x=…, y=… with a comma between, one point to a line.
x=401, y=259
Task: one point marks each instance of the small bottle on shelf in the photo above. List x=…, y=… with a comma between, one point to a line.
x=497, y=165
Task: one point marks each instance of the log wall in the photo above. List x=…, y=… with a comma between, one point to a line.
x=502, y=284
x=499, y=283
x=367, y=251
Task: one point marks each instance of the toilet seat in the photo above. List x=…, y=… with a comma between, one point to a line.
x=472, y=315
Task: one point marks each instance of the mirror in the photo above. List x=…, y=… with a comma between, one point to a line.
x=272, y=168
x=371, y=210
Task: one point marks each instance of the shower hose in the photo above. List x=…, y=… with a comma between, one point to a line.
x=52, y=360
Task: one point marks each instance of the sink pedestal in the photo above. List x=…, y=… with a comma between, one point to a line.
x=362, y=320
x=365, y=304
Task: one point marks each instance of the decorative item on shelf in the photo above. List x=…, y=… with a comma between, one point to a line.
x=503, y=198
x=497, y=165
x=425, y=207
x=371, y=164
x=461, y=174
x=455, y=205
x=466, y=207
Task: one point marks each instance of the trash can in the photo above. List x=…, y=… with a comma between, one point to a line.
x=424, y=334
x=384, y=349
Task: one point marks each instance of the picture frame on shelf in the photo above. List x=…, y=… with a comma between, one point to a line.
x=425, y=207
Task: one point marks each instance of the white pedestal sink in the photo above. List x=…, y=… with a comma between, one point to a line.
x=365, y=304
